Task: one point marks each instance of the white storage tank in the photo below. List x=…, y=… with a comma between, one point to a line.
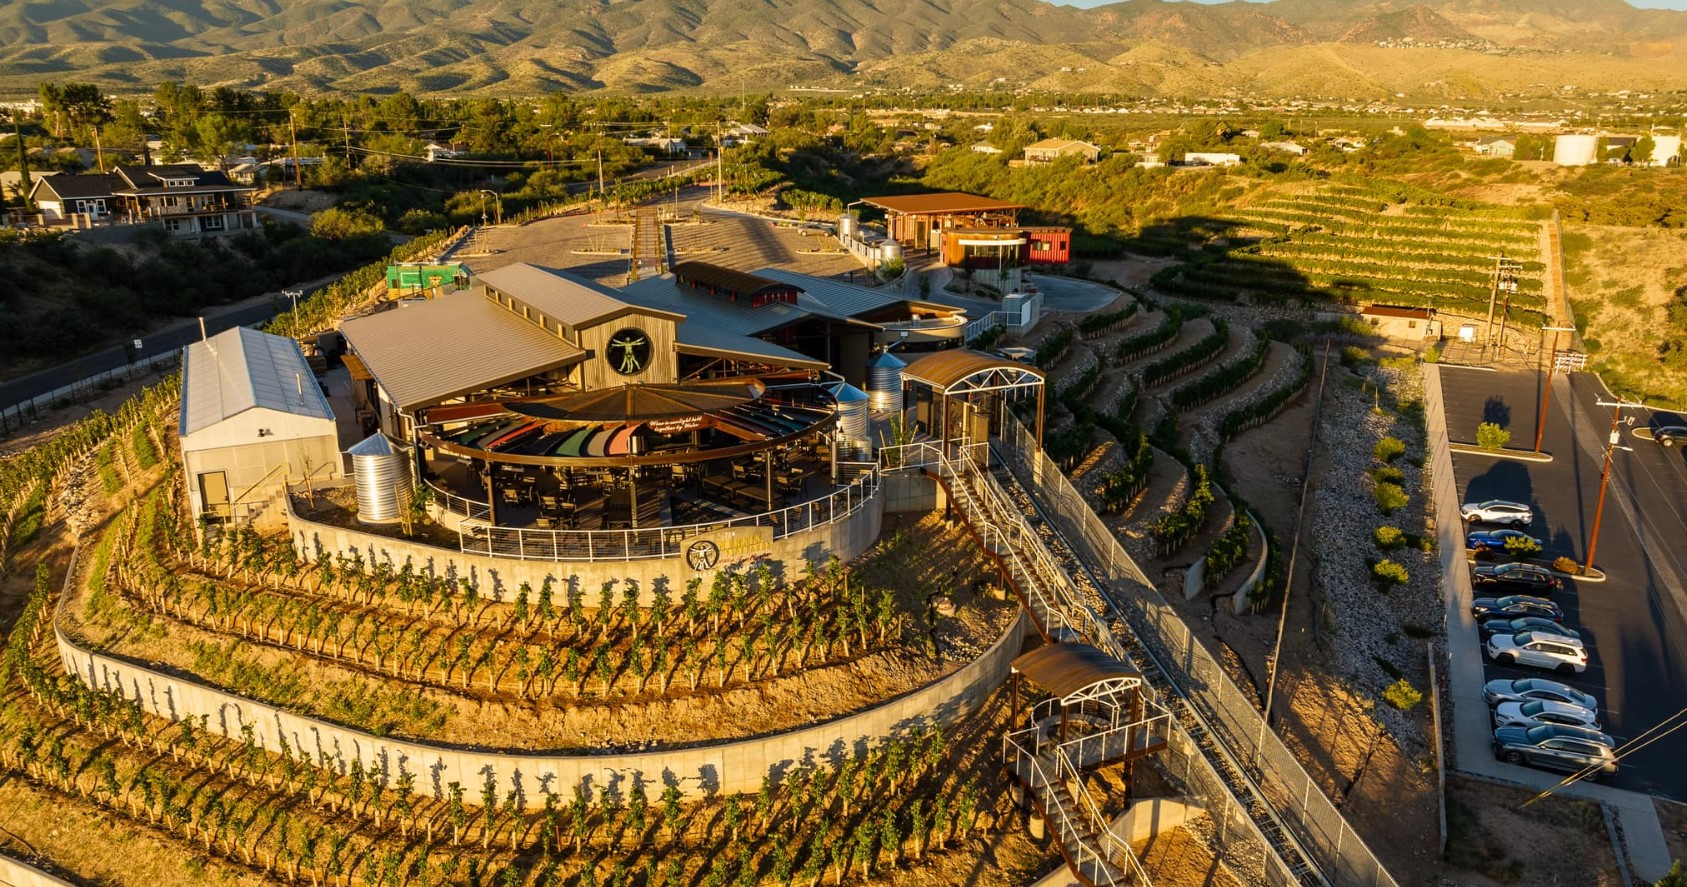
x=884, y=382
x=382, y=470
x=1575, y=150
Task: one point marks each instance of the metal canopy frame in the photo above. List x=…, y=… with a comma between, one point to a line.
x=996, y=378
x=964, y=373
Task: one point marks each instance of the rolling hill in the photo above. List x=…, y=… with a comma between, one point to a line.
x=1325, y=48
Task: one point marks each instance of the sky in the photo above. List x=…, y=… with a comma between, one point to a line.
x=1644, y=4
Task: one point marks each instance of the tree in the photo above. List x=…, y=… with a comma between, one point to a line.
x=335, y=223
x=1641, y=153
x=1490, y=436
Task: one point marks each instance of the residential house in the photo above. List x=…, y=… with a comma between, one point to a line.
x=1050, y=150
x=1495, y=146
x=985, y=148
x=667, y=147
x=741, y=134
x=185, y=199
x=1284, y=148
x=435, y=151
x=61, y=198
x=1211, y=158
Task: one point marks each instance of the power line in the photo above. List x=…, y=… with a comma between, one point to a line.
x=451, y=161
x=1618, y=754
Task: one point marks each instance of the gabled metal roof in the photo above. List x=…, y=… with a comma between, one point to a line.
x=836, y=296
x=700, y=338
x=241, y=369
x=426, y=351
x=560, y=296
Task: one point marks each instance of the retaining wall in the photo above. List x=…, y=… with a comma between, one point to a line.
x=846, y=537
x=15, y=873
x=728, y=767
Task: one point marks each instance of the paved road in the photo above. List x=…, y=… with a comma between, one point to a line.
x=1069, y=294
x=1634, y=622
x=168, y=338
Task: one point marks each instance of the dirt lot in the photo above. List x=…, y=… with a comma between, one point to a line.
x=307, y=201
x=1492, y=840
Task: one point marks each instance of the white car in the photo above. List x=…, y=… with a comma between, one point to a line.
x=1498, y=511
x=1537, y=711
x=1561, y=654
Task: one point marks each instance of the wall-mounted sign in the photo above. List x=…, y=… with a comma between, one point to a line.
x=675, y=426
x=722, y=547
x=629, y=351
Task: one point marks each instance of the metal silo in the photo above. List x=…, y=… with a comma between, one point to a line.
x=854, y=411
x=382, y=470
x=884, y=382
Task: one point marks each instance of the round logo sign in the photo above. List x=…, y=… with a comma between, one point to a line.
x=702, y=555
x=629, y=352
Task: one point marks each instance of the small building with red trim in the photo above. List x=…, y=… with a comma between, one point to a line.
x=971, y=231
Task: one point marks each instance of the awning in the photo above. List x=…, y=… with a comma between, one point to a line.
x=962, y=370
x=1075, y=672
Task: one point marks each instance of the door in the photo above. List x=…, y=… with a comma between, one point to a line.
x=213, y=494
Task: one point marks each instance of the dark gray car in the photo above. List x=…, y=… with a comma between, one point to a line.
x=1557, y=747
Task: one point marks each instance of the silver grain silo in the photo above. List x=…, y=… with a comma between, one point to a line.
x=382, y=470
x=884, y=382
x=854, y=411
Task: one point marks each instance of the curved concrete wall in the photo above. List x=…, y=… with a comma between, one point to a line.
x=701, y=771
x=499, y=577
x=15, y=873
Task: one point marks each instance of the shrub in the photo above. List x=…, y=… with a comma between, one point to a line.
x=1492, y=437
x=1414, y=630
x=1388, y=538
x=1388, y=449
x=1402, y=695
x=1432, y=355
x=1567, y=565
x=1389, y=574
x=1390, y=497
x=1518, y=546
x=1387, y=474
x=1353, y=356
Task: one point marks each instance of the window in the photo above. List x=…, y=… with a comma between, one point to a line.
x=1411, y=324
x=172, y=224
x=211, y=223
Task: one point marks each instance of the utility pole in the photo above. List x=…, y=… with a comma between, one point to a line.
x=1611, y=447
x=345, y=124
x=298, y=172
x=99, y=150
x=600, y=191
x=1505, y=271
x=1546, y=390
x=23, y=161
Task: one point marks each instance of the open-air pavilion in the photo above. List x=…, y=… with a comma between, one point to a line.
x=959, y=394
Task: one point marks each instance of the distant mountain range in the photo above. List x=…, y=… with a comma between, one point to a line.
x=1353, y=49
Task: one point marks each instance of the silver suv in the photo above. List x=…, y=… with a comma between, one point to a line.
x=1561, y=654
x=1557, y=747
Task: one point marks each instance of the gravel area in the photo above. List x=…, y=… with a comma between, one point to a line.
x=1368, y=626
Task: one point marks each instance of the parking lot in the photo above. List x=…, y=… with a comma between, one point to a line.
x=1632, y=622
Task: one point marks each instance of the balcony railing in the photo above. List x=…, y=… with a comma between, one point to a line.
x=477, y=537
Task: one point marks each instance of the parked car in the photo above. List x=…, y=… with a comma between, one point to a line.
x=1556, y=652
x=1498, y=511
x=1558, y=747
x=1483, y=541
x=1541, y=711
x=1670, y=435
x=1523, y=689
x=1536, y=688
x=1487, y=628
x=1527, y=578
x=1515, y=605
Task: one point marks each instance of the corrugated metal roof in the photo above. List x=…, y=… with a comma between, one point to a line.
x=836, y=296
x=1067, y=669
x=937, y=204
x=728, y=280
x=426, y=351
x=667, y=294
x=943, y=369
x=561, y=296
x=701, y=338
x=241, y=369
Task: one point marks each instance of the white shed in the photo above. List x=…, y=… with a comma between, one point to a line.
x=253, y=419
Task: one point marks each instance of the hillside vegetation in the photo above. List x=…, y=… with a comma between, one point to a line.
x=1135, y=47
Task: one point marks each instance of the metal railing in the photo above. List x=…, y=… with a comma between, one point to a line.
x=1265, y=771
x=456, y=504
x=1097, y=857
x=475, y=536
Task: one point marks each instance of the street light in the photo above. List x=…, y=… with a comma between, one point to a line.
x=294, y=296
x=1546, y=390
x=499, y=208
x=1611, y=447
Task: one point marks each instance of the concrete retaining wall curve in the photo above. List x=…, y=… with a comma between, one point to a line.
x=728, y=767
x=499, y=577
x=14, y=873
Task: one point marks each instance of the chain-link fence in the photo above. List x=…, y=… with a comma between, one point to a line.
x=1232, y=716
x=18, y=416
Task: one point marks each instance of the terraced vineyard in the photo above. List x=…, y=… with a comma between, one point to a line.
x=1356, y=245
